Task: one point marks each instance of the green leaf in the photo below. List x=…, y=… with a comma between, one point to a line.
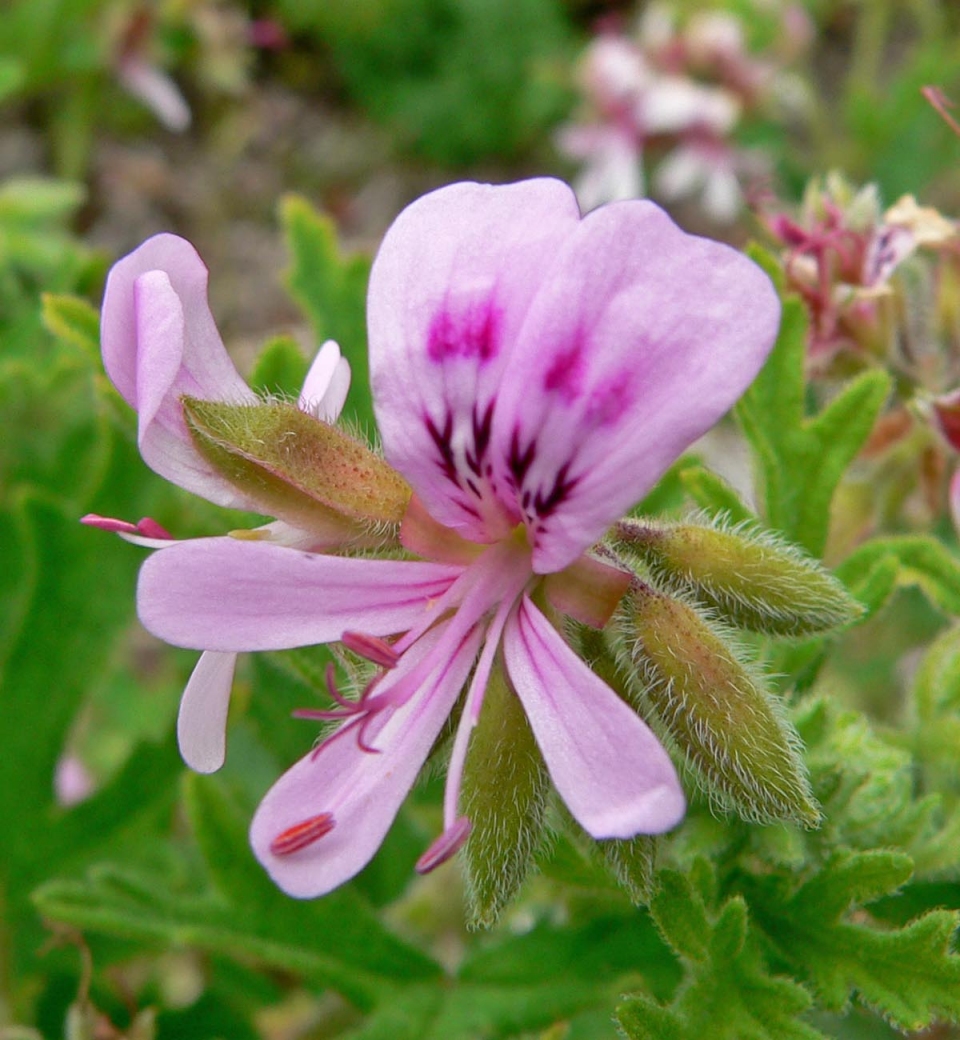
x=336, y=941
x=800, y=460
x=922, y=561
x=332, y=290
x=73, y=320
x=33, y=200
x=907, y=974
x=712, y=493
x=727, y=993
x=280, y=368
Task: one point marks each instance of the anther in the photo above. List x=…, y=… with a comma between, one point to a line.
x=302, y=834
x=372, y=648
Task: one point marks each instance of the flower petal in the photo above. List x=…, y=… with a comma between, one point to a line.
x=202, y=722
x=360, y=790
x=325, y=387
x=232, y=595
x=640, y=338
x=609, y=768
x=448, y=292
x=160, y=342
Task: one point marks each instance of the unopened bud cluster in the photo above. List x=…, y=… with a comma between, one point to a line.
x=673, y=648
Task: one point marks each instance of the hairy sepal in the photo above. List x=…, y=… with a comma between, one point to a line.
x=749, y=577
x=715, y=708
x=503, y=792
x=632, y=862
x=300, y=469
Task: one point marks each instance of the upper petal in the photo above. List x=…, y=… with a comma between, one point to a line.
x=231, y=595
x=325, y=387
x=449, y=290
x=609, y=768
x=639, y=339
x=361, y=790
x=159, y=342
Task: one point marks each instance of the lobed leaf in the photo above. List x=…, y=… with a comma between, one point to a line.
x=799, y=459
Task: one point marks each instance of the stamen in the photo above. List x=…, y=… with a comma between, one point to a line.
x=450, y=842
x=147, y=526
x=372, y=648
x=302, y=834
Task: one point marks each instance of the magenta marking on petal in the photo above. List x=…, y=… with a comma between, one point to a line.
x=471, y=331
x=372, y=648
x=447, y=845
x=565, y=376
x=609, y=401
x=302, y=834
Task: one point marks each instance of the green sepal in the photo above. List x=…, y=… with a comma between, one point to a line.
x=631, y=861
x=298, y=468
x=750, y=577
x=717, y=711
x=503, y=792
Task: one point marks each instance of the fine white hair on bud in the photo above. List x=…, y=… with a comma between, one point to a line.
x=748, y=576
x=714, y=707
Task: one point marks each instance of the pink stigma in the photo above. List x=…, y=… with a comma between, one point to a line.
x=302, y=834
x=372, y=648
x=445, y=846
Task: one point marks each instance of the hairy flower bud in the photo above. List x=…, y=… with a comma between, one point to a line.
x=749, y=577
x=716, y=709
x=503, y=793
x=302, y=470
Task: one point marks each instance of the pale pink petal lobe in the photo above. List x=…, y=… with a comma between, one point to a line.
x=325, y=387
x=160, y=342
x=639, y=339
x=608, y=767
x=449, y=290
x=231, y=595
x=202, y=722
x=360, y=791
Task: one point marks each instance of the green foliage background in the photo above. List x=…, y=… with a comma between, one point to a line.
x=144, y=906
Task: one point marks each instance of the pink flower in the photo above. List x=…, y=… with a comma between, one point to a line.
x=534, y=373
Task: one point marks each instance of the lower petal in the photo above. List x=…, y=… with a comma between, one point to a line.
x=230, y=594
x=359, y=792
x=607, y=765
x=202, y=722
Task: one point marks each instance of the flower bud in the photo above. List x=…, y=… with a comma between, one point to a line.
x=503, y=792
x=302, y=470
x=749, y=577
x=717, y=710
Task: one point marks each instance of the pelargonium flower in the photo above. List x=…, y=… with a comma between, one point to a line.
x=534, y=374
